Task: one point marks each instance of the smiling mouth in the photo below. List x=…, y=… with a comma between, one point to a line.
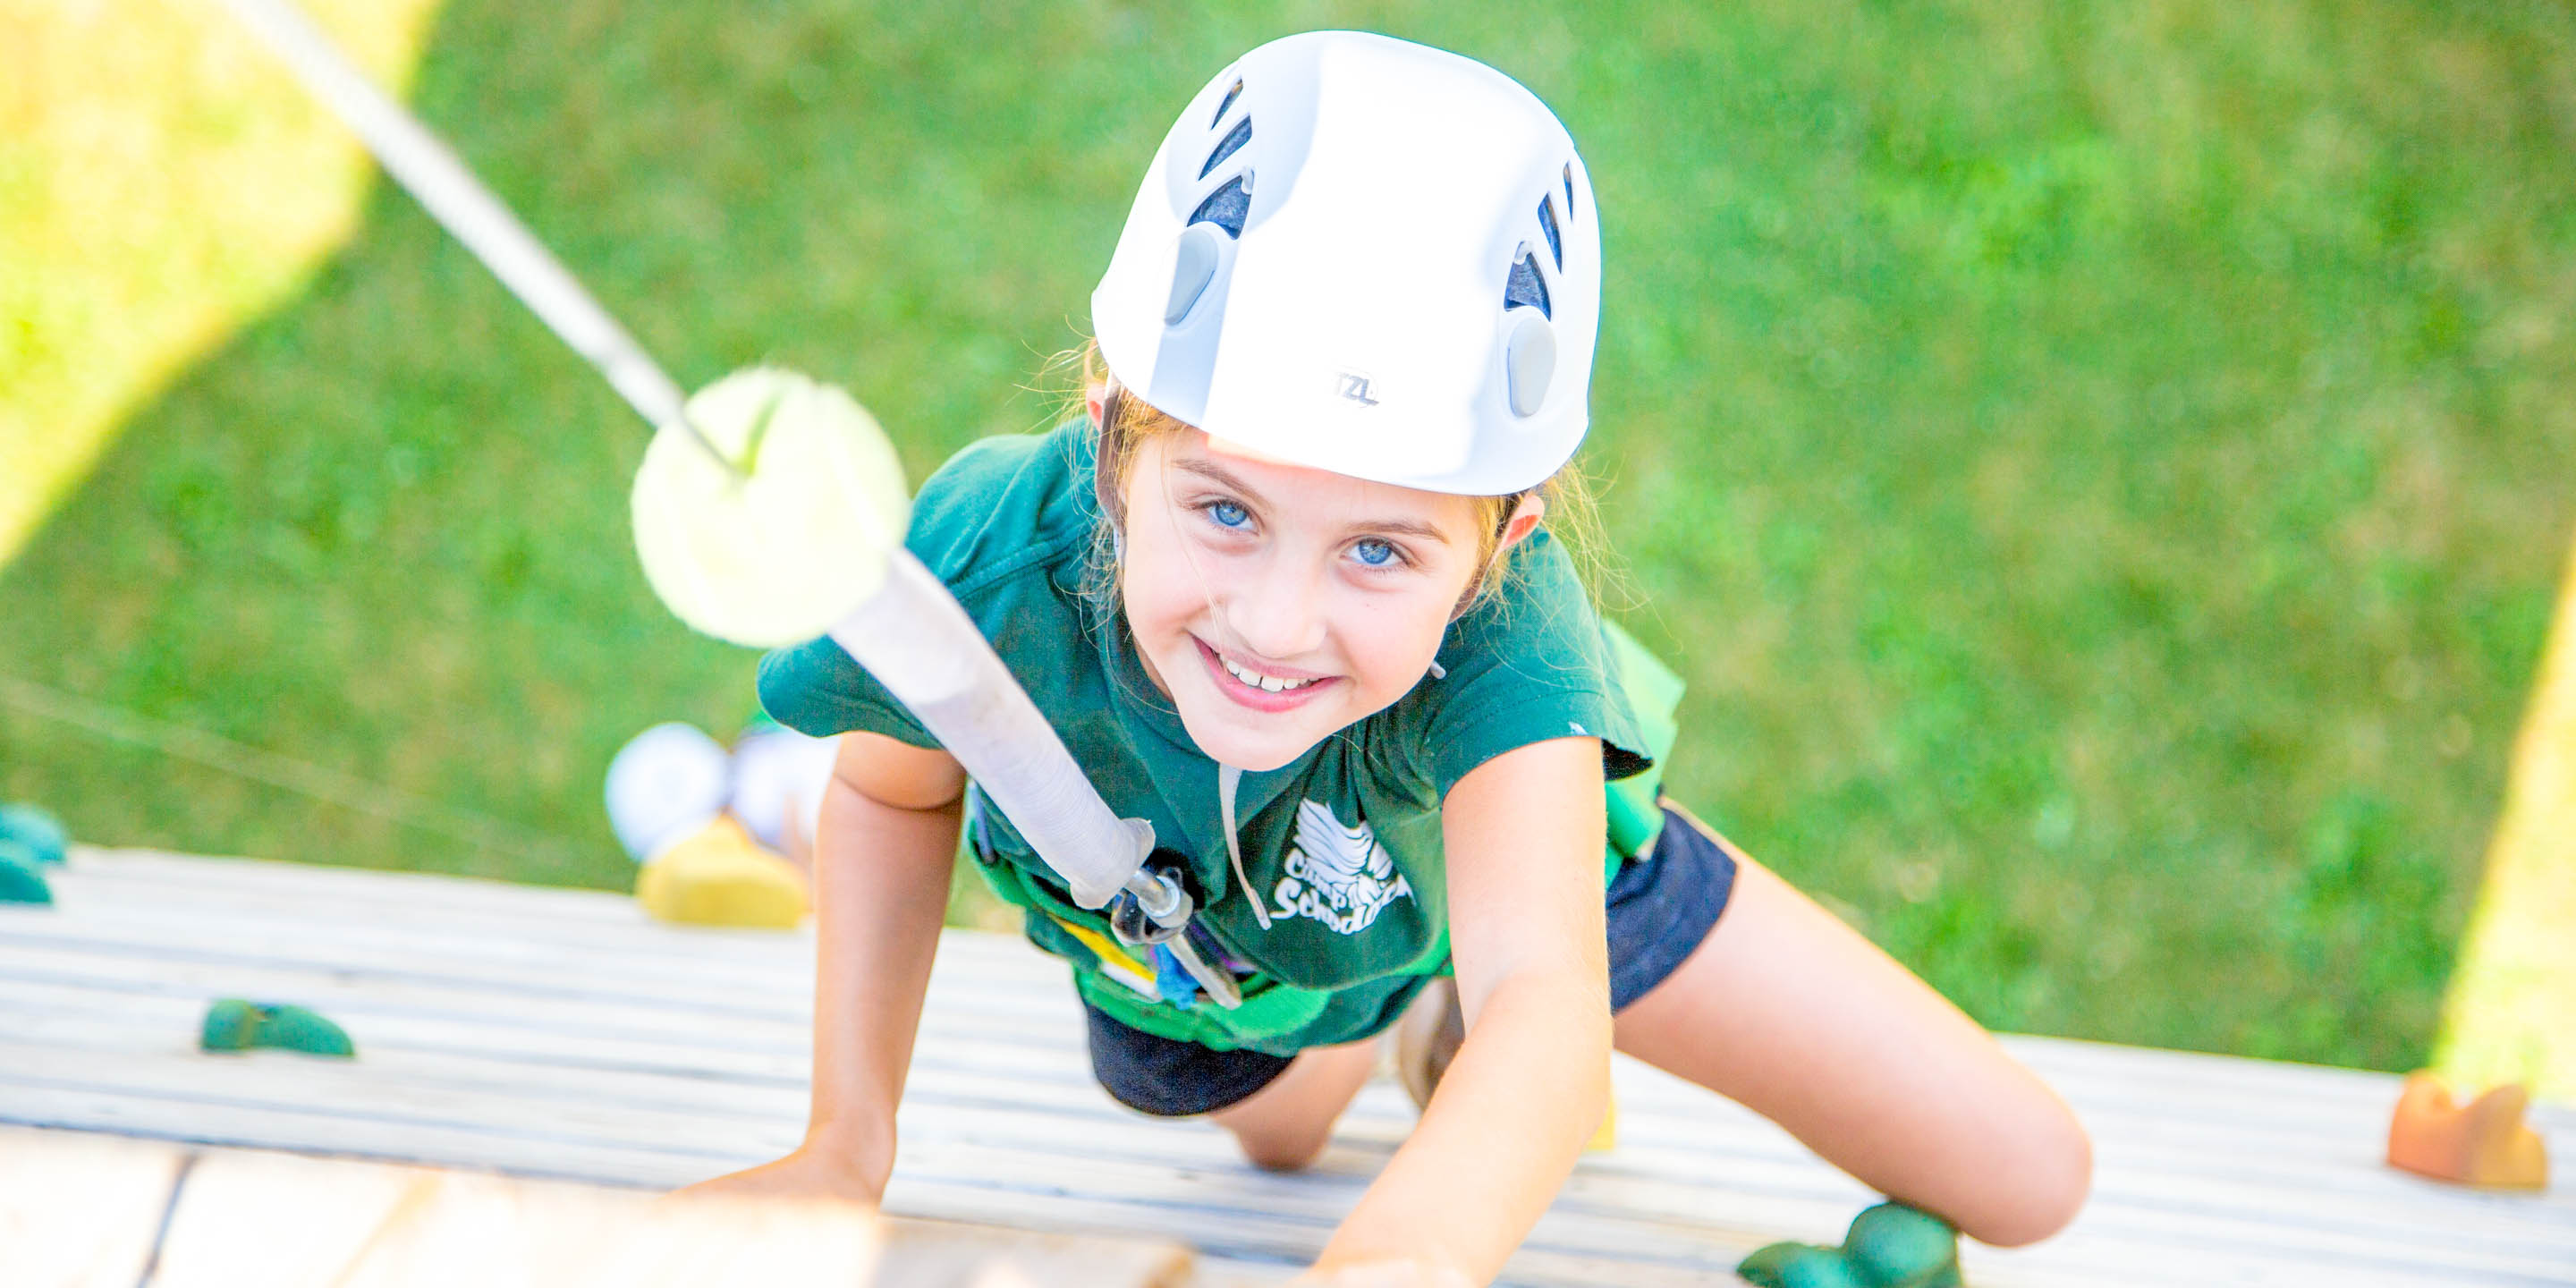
x=1257, y=689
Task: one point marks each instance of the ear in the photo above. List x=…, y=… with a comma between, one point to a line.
x=1094, y=396
x=1523, y=522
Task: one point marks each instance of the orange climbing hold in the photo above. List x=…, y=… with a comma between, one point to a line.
x=2484, y=1143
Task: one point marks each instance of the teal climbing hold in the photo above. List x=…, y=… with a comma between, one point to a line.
x=22, y=876
x=1895, y=1244
x=1888, y=1246
x=1799, y=1265
x=39, y=831
x=233, y=1024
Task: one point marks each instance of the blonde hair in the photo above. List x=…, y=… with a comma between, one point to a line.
x=1128, y=423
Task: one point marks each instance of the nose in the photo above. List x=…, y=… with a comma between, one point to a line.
x=1277, y=611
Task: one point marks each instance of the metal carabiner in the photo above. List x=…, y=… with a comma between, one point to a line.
x=1155, y=908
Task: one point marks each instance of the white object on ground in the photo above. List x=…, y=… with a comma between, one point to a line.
x=664, y=786
x=778, y=781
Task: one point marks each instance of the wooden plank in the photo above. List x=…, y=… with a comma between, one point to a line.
x=1830, y=1214
x=352, y=887
x=983, y=1206
x=268, y=1218
x=775, y=1022
x=81, y=1212
x=83, y=1209
x=617, y=932
x=785, y=972
x=290, y=1127
x=925, y=1252
x=2254, y=1133
x=462, y=1228
x=249, y=1218
x=787, y=968
x=391, y=1083
x=946, y=1163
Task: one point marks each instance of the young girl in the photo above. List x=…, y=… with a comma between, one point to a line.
x=1288, y=594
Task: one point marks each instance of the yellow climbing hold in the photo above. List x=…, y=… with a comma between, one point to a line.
x=719, y=876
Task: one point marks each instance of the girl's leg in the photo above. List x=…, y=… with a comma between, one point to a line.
x=1283, y=1126
x=1793, y=1014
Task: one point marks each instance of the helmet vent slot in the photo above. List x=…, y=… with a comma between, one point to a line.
x=1547, y=224
x=1227, y=206
x=1526, y=289
x=1569, y=190
x=1230, y=96
x=1229, y=145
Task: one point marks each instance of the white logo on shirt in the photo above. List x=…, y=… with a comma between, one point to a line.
x=1337, y=875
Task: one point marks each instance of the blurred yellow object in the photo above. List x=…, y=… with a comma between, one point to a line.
x=2511, y=1012
x=166, y=185
x=719, y=876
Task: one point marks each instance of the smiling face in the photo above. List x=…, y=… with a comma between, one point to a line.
x=1276, y=603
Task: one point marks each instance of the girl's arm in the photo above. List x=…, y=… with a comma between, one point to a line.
x=1523, y=834
x=882, y=858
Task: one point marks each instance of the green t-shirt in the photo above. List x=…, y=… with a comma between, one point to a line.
x=1342, y=847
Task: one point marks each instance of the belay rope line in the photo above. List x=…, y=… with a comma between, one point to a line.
x=909, y=632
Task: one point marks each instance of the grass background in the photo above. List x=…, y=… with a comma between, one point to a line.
x=2103, y=467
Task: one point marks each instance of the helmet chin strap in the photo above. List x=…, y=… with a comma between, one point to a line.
x=1229, y=778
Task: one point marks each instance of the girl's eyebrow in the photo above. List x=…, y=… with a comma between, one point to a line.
x=1219, y=475
x=1403, y=528
x=1225, y=478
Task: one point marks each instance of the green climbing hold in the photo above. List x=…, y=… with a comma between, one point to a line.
x=1799, y=1265
x=236, y=1025
x=39, y=831
x=22, y=877
x=1895, y=1244
x=1889, y=1246
x=231, y=1023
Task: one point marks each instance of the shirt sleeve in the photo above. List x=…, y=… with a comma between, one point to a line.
x=1530, y=664
x=816, y=689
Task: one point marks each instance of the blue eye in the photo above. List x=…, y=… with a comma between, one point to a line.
x=1375, y=553
x=1227, y=514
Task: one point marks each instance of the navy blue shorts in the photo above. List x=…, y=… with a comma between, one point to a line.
x=1659, y=911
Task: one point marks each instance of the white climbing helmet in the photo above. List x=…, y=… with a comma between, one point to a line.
x=1368, y=256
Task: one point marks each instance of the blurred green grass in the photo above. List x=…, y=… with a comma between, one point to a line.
x=2102, y=467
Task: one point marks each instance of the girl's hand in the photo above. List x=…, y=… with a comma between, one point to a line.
x=1385, y=1274
x=806, y=1174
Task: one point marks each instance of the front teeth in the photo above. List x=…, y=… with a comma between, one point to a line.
x=1265, y=683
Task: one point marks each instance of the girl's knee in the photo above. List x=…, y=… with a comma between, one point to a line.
x=2040, y=1183
x=1280, y=1151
